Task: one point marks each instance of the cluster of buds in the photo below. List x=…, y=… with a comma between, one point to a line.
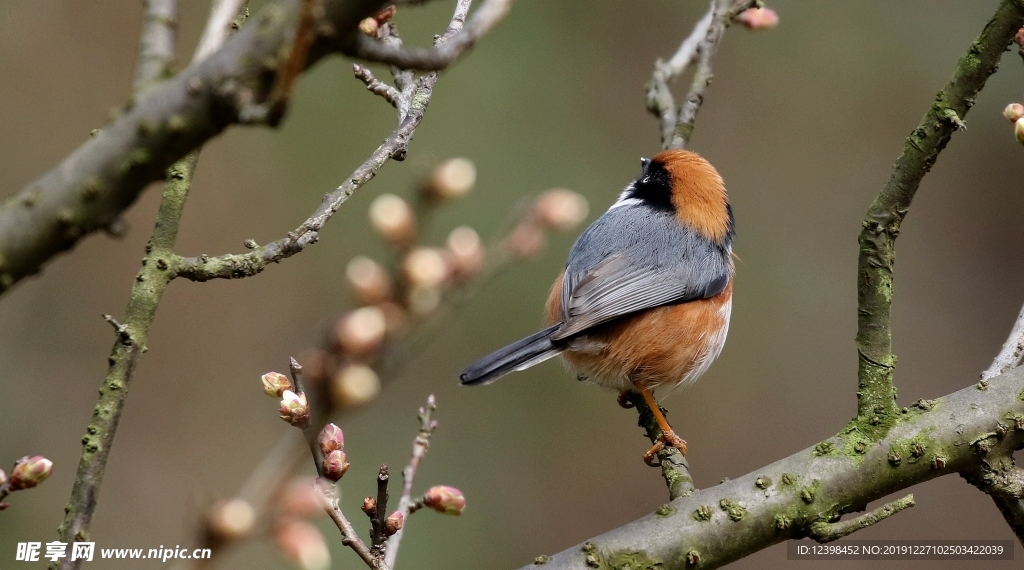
x=445, y=500
x=557, y=209
x=301, y=542
x=332, y=445
x=758, y=19
x=1014, y=112
x=229, y=520
x=369, y=26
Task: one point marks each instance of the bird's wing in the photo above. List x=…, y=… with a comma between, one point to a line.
x=684, y=267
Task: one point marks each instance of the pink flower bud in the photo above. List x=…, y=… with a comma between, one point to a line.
x=393, y=523
x=369, y=280
x=231, y=520
x=1018, y=130
x=1013, y=111
x=1019, y=38
x=758, y=19
x=467, y=251
x=354, y=385
x=294, y=408
x=444, y=499
x=3, y=477
x=393, y=218
x=302, y=543
x=560, y=209
x=426, y=267
x=275, y=383
x=301, y=499
x=526, y=240
x=29, y=472
x=335, y=465
x=369, y=27
x=369, y=506
x=452, y=178
x=331, y=439
x=361, y=332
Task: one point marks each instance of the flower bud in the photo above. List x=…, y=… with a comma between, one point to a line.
x=467, y=251
x=444, y=499
x=354, y=385
x=424, y=300
x=294, y=408
x=302, y=544
x=3, y=477
x=369, y=506
x=393, y=523
x=335, y=464
x=369, y=27
x=561, y=209
x=275, y=383
x=526, y=240
x=394, y=317
x=758, y=19
x=331, y=439
x=369, y=280
x=425, y=267
x=231, y=520
x=361, y=331
x=29, y=472
x=301, y=498
x=1013, y=111
x=452, y=178
x=1018, y=130
x=393, y=218
x=1019, y=38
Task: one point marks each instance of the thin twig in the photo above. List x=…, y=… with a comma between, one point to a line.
x=156, y=44
x=1013, y=349
x=876, y=393
x=823, y=531
x=305, y=33
x=376, y=86
x=674, y=467
x=218, y=25
x=329, y=501
x=419, y=451
x=426, y=59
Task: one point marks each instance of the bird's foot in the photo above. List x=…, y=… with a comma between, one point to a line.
x=624, y=401
x=667, y=438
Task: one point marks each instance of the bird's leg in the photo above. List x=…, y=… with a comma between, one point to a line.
x=667, y=435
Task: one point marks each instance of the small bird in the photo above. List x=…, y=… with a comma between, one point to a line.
x=646, y=294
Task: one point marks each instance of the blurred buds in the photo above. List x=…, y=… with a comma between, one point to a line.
x=331, y=439
x=316, y=365
x=3, y=477
x=452, y=178
x=301, y=498
x=1018, y=130
x=444, y=499
x=525, y=240
x=758, y=19
x=231, y=520
x=361, y=332
x=1019, y=38
x=294, y=408
x=29, y=472
x=275, y=383
x=466, y=251
x=369, y=280
x=369, y=506
x=1013, y=111
x=354, y=385
x=425, y=267
x=369, y=27
x=393, y=219
x=561, y=209
x=393, y=523
x=302, y=544
x=423, y=300
x=394, y=316
x=335, y=464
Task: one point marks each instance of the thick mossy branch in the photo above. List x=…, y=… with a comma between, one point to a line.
x=959, y=433
x=876, y=394
x=94, y=184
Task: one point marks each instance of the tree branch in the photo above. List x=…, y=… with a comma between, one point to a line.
x=819, y=484
x=156, y=44
x=876, y=395
x=419, y=451
x=100, y=179
x=1010, y=355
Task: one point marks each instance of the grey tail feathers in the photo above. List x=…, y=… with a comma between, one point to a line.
x=519, y=355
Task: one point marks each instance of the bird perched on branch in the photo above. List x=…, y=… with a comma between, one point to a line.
x=646, y=294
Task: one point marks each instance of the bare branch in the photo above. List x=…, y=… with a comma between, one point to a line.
x=156, y=44
x=100, y=179
x=218, y=26
x=876, y=394
x=824, y=531
x=329, y=498
x=376, y=86
x=483, y=20
x=1013, y=349
x=419, y=451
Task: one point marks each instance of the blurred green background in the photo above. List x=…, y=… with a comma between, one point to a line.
x=803, y=122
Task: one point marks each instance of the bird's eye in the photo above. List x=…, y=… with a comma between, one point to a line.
x=646, y=179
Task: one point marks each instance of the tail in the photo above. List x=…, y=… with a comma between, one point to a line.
x=520, y=355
